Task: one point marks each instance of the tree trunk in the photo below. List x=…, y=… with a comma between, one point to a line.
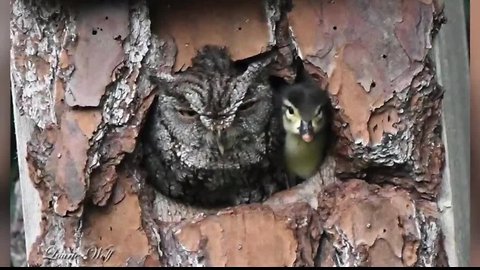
x=80, y=74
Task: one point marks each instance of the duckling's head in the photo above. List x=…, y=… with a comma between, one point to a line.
x=304, y=110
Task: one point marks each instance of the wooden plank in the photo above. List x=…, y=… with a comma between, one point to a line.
x=452, y=66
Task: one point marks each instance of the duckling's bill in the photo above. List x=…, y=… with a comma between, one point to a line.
x=306, y=131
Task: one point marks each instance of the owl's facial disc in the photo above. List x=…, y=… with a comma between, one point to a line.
x=218, y=115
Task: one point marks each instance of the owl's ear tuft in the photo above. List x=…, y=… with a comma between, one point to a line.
x=161, y=81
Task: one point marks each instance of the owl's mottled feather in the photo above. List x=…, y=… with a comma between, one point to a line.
x=210, y=138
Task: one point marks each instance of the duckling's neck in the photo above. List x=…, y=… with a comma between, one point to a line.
x=303, y=158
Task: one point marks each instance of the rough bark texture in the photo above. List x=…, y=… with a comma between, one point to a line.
x=17, y=229
x=80, y=73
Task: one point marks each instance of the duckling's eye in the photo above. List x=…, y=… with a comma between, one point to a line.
x=289, y=109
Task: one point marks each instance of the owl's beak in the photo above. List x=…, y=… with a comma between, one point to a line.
x=221, y=149
x=220, y=139
x=306, y=131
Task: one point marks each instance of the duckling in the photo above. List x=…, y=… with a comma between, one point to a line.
x=304, y=118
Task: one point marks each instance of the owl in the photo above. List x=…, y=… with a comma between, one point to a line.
x=210, y=138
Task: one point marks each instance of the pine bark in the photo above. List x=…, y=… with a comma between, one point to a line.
x=80, y=76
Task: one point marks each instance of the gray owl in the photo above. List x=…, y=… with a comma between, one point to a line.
x=210, y=138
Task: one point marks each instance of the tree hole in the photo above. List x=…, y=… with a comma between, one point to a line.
x=94, y=32
x=239, y=28
x=375, y=128
x=106, y=17
x=384, y=56
x=373, y=84
x=334, y=27
x=224, y=188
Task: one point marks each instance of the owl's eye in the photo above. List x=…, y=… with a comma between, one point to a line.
x=247, y=105
x=187, y=113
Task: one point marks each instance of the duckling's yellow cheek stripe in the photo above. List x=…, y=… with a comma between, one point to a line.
x=291, y=124
x=292, y=117
x=296, y=123
x=317, y=124
x=287, y=116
